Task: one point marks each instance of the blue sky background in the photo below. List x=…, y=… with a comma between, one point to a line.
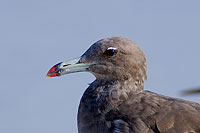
x=36, y=34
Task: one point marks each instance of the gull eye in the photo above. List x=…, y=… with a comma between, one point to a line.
x=110, y=51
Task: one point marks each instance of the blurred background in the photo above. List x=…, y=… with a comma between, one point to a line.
x=37, y=34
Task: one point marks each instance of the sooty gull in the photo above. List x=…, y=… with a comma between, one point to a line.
x=116, y=101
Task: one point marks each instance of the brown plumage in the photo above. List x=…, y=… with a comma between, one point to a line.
x=116, y=101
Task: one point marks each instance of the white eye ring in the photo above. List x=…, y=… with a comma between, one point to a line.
x=111, y=48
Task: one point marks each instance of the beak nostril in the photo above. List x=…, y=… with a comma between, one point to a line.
x=66, y=65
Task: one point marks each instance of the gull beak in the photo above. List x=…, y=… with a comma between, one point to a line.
x=66, y=67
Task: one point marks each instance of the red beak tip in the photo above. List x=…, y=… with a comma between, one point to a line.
x=53, y=71
x=47, y=76
x=50, y=73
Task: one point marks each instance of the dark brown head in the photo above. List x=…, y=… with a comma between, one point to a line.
x=114, y=58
